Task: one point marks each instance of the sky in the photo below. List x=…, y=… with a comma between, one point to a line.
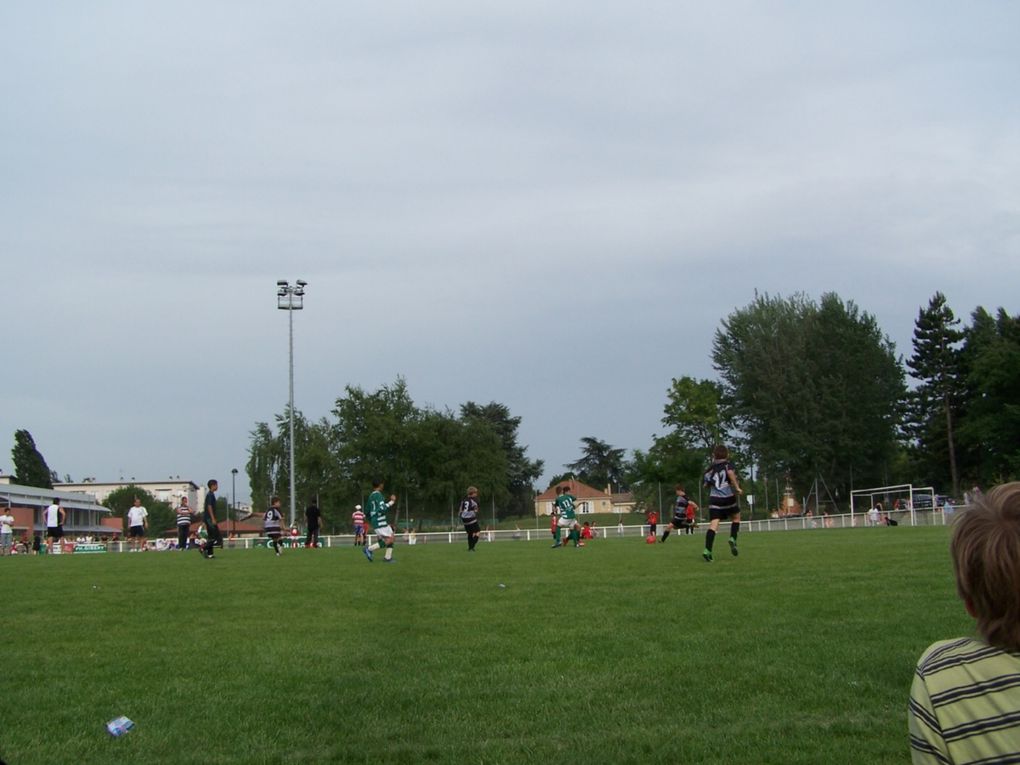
x=549, y=205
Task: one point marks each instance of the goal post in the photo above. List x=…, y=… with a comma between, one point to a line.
x=901, y=498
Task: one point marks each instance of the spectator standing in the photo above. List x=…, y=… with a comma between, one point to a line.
x=312, y=517
x=138, y=521
x=55, y=516
x=358, y=519
x=183, y=524
x=6, y=531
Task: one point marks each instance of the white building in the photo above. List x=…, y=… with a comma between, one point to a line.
x=170, y=491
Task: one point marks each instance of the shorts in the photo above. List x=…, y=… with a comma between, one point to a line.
x=384, y=531
x=275, y=534
x=55, y=532
x=721, y=508
x=566, y=523
x=136, y=531
x=472, y=528
x=359, y=529
x=679, y=522
x=6, y=539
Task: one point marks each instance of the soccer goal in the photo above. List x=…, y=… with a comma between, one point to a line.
x=890, y=505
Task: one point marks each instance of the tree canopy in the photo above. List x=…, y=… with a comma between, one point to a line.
x=812, y=388
x=30, y=468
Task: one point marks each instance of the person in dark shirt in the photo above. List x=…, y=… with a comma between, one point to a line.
x=312, y=516
x=214, y=538
x=469, y=517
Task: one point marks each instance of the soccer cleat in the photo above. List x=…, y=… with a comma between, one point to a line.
x=733, y=547
x=707, y=555
x=556, y=545
x=368, y=553
x=389, y=560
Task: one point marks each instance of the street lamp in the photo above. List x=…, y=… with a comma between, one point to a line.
x=233, y=499
x=291, y=299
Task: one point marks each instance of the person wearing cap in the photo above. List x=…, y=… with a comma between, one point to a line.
x=358, y=518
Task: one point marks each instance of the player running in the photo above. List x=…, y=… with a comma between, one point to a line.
x=683, y=514
x=272, y=523
x=469, y=517
x=378, y=507
x=566, y=516
x=721, y=476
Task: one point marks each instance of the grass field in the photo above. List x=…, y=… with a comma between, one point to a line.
x=799, y=651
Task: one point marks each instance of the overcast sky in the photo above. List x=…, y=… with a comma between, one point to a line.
x=548, y=205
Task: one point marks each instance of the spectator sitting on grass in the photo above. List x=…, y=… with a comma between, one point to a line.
x=965, y=698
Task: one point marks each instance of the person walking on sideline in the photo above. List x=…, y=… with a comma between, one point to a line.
x=213, y=538
x=723, y=504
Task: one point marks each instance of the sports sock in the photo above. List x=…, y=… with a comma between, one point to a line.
x=734, y=530
x=709, y=539
x=389, y=552
x=374, y=546
x=664, y=535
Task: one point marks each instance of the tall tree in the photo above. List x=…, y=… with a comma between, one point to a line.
x=521, y=471
x=934, y=404
x=989, y=429
x=600, y=465
x=813, y=387
x=694, y=413
x=30, y=469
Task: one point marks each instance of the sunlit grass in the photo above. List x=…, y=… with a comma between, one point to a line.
x=800, y=650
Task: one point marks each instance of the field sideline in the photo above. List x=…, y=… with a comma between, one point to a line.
x=799, y=651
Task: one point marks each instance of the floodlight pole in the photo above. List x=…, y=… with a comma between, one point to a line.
x=291, y=299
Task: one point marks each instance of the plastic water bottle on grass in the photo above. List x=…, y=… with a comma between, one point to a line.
x=119, y=726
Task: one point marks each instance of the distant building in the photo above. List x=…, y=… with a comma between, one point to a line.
x=589, y=499
x=85, y=516
x=170, y=491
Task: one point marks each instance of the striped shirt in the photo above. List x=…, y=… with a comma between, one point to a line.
x=358, y=517
x=183, y=515
x=965, y=704
x=272, y=520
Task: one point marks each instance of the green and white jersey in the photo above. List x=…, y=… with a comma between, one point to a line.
x=565, y=506
x=377, y=509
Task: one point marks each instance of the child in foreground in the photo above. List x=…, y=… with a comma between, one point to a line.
x=965, y=699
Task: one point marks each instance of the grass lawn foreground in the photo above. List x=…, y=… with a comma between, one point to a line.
x=801, y=650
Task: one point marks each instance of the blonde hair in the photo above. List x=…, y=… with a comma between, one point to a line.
x=986, y=561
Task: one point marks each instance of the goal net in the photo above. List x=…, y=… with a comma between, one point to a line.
x=890, y=505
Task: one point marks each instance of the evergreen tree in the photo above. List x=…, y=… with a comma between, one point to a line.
x=934, y=405
x=989, y=426
x=30, y=469
x=601, y=465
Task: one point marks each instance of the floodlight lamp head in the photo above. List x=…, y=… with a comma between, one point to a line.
x=301, y=282
x=281, y=282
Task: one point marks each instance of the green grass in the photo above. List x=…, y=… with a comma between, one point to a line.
x=799, y=651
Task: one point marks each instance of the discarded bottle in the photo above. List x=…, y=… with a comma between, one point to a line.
x=119, y=726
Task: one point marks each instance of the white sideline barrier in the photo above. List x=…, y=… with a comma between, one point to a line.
x=795, y=523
